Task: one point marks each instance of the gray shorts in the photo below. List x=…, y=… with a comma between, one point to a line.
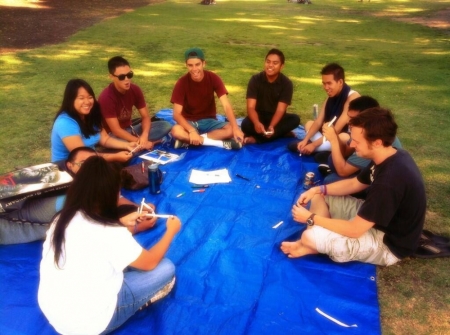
x=368, y=248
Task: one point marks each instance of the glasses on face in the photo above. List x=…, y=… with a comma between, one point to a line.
x=121, y=77
x=78, y=163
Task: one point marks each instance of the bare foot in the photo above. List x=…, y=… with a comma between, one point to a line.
x=295, y=249
x=249, y=140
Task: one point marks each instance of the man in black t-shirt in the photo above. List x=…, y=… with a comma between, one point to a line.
x=269, y=93
x=384, y=228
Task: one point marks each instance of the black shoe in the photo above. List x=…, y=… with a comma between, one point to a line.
x=324, y=169
x=232, y=145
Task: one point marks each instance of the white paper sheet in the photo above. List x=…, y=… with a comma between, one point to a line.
x=209, y=177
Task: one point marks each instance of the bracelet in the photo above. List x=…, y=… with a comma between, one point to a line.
x=322, y=191
x=135, y=227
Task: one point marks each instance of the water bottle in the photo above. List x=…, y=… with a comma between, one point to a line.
x=315, y=111
x=154, y=179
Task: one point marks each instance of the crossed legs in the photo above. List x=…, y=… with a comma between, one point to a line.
x=306, y=245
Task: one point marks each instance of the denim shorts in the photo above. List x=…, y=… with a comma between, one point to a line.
x=206, y=125
x=368, y=248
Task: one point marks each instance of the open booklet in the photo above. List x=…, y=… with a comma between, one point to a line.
x=160, y=156
x=19, y=185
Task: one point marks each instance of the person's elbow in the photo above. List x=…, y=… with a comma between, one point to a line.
x=346, y=171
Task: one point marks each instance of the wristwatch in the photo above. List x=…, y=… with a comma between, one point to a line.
x=310, y=220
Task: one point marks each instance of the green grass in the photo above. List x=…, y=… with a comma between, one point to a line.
x=403, y=65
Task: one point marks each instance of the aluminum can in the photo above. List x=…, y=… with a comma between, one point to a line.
x=315, y=111
x=308, y=182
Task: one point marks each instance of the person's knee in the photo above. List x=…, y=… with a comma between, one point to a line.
x=344, y=137
x=308, y=239
x=167, y=267
x=177, y=131
x=308, y=125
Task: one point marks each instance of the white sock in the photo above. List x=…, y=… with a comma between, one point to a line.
x=326, y=146
x=210, y=142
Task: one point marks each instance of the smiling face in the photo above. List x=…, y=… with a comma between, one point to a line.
x=83, y=102
x=121, y=85
x=195, y=68
x=272, y=66
x=331, y=86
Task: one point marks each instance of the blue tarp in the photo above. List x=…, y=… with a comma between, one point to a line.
x=232, y=277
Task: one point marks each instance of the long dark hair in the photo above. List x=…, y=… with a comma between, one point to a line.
x=94, y=192
x=92, y=123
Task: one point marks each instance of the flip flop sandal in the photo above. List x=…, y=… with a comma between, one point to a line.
x=436, y=239
x=432, y=251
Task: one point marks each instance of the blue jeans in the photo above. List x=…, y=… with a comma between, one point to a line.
x=137, y=288
x=158, y=130
x=30, y=223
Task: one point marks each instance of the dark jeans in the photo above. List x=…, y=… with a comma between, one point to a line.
x=287, y=123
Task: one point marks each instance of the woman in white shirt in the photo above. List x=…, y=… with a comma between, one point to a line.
x=84, y=286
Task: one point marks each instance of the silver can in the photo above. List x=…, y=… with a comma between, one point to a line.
x=315, y=111
x=308, y=182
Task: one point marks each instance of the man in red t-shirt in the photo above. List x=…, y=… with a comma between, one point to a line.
x=194, y=107
x=117, y=101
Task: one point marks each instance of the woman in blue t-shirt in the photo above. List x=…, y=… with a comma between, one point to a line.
x=78, y=123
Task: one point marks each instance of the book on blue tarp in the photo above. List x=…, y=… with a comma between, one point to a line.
x=160, y=156
x=21, y=184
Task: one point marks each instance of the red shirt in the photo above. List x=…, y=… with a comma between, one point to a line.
x=117, y=105
x=197, y=98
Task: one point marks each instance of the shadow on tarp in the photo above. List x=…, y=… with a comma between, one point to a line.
x=232, y=277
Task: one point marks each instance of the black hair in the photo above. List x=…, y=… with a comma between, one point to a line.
x=74, y=153
x=116, y=62
x=277, y=52
x=94, y=192
x=335, y=69
x=362, y=103
x=378, y=124
x=92, y=123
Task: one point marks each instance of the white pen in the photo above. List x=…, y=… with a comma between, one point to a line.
x=142, y=205
x=166, y=216
x=135, y=148
x=329, y=125
x=277, y=225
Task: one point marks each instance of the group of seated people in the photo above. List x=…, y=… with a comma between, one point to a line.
x=84, y=121
x=92, y=219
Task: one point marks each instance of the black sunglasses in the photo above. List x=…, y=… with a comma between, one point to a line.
x=121, y=77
